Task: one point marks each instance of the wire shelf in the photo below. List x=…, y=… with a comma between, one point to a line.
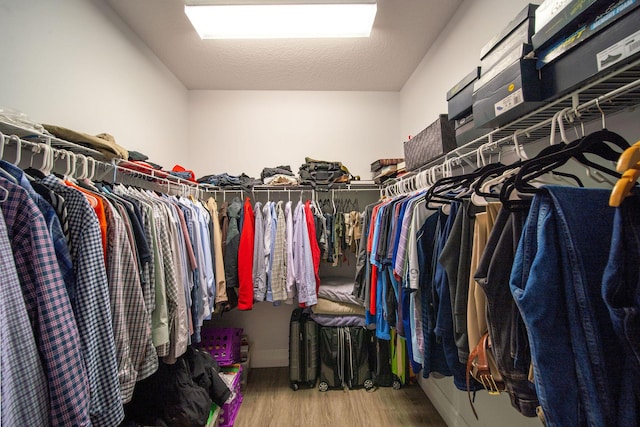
x=606, y=96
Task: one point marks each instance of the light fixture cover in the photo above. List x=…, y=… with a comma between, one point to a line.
x=250, y=19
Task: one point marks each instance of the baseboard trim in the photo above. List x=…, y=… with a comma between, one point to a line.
x=442, y=403
x=269, y=358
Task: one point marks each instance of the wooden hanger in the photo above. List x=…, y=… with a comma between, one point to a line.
x=629, y=159
x=629, y=165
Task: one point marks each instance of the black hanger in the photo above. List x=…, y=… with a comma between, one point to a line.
x=596, y=143
x=443, y=191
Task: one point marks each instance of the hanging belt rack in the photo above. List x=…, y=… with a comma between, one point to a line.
x=609, y=94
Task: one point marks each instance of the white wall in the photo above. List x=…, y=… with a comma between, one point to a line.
x=454, y=55
x=245, y=131
x=74, y=63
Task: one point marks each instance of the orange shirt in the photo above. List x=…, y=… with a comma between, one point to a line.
x=98, y=206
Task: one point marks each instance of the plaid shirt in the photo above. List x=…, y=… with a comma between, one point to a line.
x=93, y=311
x=129, y=314
x=153, y=271
x=48, y=308
x=279, y=268
x=149, y=364
x=53, y=224
x=24, y=390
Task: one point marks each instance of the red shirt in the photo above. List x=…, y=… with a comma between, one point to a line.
x=315, y=249
x=245, y=258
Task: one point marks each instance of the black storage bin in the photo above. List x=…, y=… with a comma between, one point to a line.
x=511, y=94
x=460, y=97
x=585, y=32
x=466, y=130
x=565, y=20
x=519, y=31
x=602, y=53
x=438, y=138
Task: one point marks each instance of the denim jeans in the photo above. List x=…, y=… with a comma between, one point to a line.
x=621, y=293
x=556, y=282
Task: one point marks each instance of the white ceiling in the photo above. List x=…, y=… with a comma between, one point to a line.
x=402, y=34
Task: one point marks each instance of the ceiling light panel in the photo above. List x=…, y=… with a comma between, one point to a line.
x=285, y=20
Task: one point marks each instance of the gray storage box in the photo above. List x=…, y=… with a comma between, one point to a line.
x=438, y=138
x=509, y=95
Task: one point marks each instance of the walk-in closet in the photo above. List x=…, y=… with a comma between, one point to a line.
x=431, y=221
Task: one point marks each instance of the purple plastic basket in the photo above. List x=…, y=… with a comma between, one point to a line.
x=222, y=343
x=229, y=411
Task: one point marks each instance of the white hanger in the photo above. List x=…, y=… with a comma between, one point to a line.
x=18, y=142
x=84, y=172
x=593, y=174
x=93, y=168
x=2, y=142
x=519, y=150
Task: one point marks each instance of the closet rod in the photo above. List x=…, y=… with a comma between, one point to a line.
x=110, y=169
x=401, y=186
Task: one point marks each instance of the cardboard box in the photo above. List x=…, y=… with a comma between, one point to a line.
x=511, y=94
x=586, y=31
x=527, y=14
x=438, y=138
x=567, y=20
x=603, y=52
x=460, y=97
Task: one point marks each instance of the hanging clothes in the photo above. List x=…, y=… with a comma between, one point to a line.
x=245, y=258
x=217, y=246
x=557, y=263
x=621, y=294
x=304, y=266
x=93, y=311
x=291, y=266
x=259, y=268
x=279, y=256
x=231, y=221
x=48, y=307
x=24, y=398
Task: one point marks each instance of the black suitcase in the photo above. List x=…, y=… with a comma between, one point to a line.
x=344, y=358
x=303, y=350
x=380, y=363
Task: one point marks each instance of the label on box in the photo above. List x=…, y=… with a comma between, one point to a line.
x=619, y=51
x=547, y=10
x=509, y=102
x=586, y=31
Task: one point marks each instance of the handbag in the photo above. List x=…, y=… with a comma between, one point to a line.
x=482, y=366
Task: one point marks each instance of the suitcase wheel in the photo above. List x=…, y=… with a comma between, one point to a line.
x=323, y=386
x=295, y=386
x=397, y=385
x=368, y=385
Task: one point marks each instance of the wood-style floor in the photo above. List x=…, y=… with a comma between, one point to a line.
x=269, y=401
